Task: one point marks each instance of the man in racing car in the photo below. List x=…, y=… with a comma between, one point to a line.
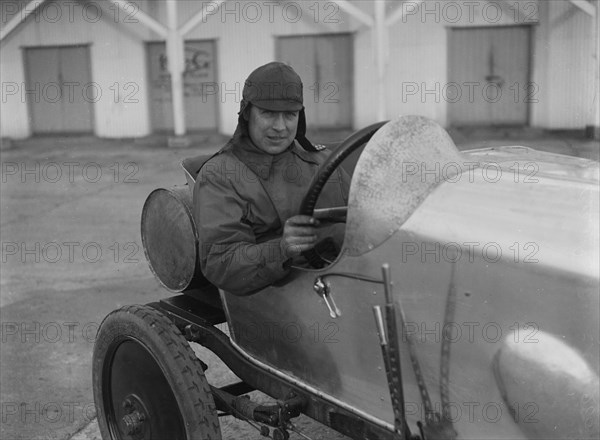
x=247, y=196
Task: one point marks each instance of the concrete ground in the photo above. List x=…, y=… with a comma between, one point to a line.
x=72, y=252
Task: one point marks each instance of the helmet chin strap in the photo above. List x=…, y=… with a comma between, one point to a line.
x=301, y=133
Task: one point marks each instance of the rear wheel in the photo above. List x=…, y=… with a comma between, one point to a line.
x=148, y=383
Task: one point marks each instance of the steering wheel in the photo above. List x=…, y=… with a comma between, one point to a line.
x=349, y=145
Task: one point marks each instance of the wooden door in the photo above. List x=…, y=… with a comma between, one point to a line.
x=325, y=64
x=488, y=76
x=59, y=89
x=199, y=79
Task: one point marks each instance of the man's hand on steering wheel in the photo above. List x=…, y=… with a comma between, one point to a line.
x=299, y=235
x=303, y=232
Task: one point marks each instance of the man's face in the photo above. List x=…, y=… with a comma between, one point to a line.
x=272, y=131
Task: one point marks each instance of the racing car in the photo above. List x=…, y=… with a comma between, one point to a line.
x=464, y=303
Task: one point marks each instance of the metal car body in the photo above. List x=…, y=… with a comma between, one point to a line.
x=493, y=264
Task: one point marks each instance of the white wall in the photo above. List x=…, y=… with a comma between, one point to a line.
x=13, y=114
x=117, y=65
x=561, y=67
x=246, y=38
x=416, y=68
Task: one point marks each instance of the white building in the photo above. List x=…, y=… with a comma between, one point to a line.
x=100, y=66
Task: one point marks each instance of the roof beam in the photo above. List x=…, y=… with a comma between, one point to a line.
x=381, y=34
x=176, y=63
x=407, y=7
x=357, y=13
x=379, y=38
x=585, y=6
x=200, y=17
x=143, y=17
x=18, y=19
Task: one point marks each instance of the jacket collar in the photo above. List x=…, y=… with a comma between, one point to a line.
x=259, y=161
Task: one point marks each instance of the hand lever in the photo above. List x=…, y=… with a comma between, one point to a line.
x=323, y=291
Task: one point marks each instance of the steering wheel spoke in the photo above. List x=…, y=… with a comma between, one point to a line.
x=335, y=214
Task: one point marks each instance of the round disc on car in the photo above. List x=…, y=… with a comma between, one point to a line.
x=170, y=238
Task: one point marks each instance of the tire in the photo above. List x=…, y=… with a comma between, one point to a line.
x=148, y=383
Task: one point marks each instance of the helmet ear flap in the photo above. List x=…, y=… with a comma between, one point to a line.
x=301, y=133
x=243, y=116
x=245, y=112
x=301, y=130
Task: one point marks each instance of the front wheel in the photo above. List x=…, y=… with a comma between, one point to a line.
x=148, y=383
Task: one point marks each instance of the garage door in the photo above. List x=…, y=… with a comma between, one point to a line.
x=199, y=84
x=325, y=64
x=489, y=76
x=59, y=89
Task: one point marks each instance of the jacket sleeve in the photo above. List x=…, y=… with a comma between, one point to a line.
x=230, y=256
